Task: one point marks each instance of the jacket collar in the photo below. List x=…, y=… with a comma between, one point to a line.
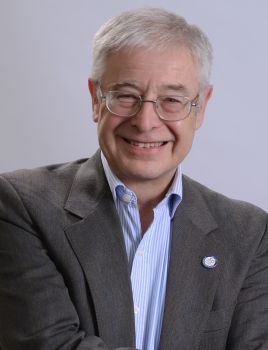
x=88, y=189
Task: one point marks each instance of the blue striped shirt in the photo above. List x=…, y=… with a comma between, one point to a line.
x=148, y=255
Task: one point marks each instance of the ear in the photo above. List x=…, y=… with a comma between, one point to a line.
x=95, y=101
x=204, y=98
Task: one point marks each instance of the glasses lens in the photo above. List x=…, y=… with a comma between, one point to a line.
x=123, y=103
x=173, y=107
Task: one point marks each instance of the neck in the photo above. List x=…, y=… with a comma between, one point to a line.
x=148, y=194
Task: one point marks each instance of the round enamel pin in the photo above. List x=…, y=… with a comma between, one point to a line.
x=209, y=262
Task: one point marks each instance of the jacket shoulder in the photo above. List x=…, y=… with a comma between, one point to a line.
x=224, y=209
x=42, y=180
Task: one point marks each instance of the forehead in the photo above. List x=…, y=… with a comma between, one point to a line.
x=152, y=68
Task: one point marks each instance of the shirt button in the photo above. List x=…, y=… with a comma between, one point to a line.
x=136, y=309
x=126, y=198
x=140, y=252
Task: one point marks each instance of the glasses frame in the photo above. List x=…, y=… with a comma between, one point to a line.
x=190, y=103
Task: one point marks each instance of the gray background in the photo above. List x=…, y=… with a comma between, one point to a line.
x=45, y=107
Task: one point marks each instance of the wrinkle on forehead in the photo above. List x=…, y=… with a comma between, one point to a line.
x=171, y=71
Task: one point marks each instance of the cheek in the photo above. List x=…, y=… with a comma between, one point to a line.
x=107, y=126
x=184, y=135
x=184, y=130
x=103, y=120
x=103, y=129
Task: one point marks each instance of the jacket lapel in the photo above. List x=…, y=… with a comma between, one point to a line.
x=190, y=286
x=98, y=243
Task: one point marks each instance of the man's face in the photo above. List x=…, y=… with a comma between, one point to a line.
x=144, y=147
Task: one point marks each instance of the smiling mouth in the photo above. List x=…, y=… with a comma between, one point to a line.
x=146, y=144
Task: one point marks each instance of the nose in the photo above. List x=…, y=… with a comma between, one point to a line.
x=147, y=118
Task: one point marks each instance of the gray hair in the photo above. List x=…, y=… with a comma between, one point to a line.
x=151, y=28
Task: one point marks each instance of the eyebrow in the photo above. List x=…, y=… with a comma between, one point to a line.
x=132, y=84
x=121, y=84
x=176, y=87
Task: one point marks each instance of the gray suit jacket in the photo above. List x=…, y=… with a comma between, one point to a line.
x=64, y=280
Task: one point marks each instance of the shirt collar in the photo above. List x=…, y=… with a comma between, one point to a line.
x=173, y=196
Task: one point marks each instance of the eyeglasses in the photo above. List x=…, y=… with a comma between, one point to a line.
x=169, y=108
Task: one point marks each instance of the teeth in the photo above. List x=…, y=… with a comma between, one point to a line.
x=147, y=144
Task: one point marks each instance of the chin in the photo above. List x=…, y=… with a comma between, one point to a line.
x=143, y=174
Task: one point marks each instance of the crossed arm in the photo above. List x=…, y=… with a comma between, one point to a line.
x=36, y=309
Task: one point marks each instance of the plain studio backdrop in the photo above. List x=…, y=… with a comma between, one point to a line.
x=45, y=107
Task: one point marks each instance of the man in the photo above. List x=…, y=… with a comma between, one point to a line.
x=122, y=251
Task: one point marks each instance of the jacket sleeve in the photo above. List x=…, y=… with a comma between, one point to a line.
x=36, y=311
x=249, y=327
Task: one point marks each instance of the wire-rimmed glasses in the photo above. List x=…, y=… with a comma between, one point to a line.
x=169, y=107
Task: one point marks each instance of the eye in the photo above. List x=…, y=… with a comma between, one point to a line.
x=126, y=97
x=172, y=104
x=172, y=99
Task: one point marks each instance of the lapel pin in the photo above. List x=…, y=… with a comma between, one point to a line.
x=209, y=262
